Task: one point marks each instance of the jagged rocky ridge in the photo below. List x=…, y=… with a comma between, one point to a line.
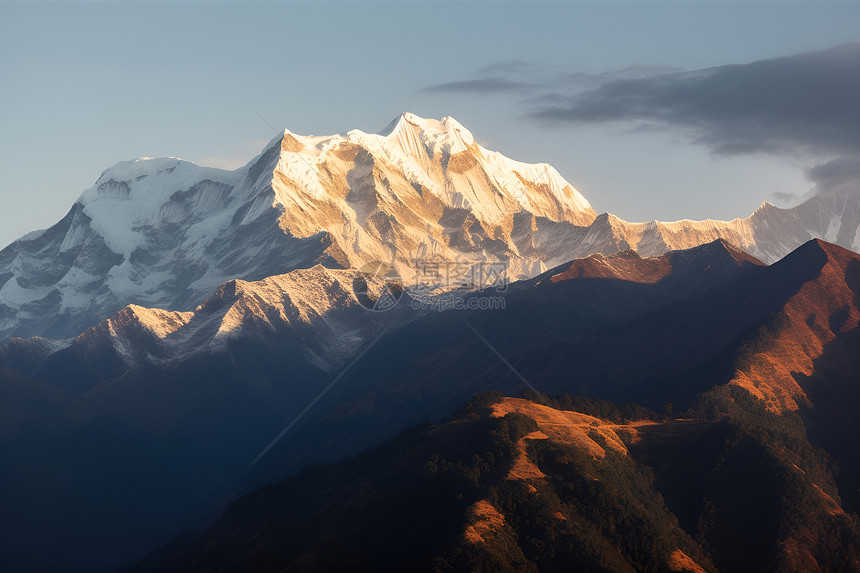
x=320, y=311
x=158, y=440
x=166, y=233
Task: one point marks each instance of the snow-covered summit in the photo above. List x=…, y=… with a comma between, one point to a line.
x=422, y=189
x=446, y=135
x=443, y=157
x=134, y=195
x=164, y=232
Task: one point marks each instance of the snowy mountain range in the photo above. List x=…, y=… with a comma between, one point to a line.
x=166, y=233
x=157, y=343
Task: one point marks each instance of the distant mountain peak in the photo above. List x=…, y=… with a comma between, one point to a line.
x=624, y=265
x=812, y=254
x=720, y=247
x=407, y=120
x=829, y=248
x=139, y=168
x=821, y=305
x=446, y=135
x=718, y=257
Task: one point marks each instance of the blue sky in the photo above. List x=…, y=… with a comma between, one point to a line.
x=86, y=85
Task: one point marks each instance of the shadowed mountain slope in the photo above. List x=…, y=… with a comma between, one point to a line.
x=661, y=332
x=650, y=342
x=512, y=485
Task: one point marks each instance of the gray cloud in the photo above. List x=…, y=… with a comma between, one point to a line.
x=544, y=84
x=801, y=106
x=581, y=80
x=802, y=103
x=509, y=67
x=837, y=176
x=481, y=85
x=786, y=199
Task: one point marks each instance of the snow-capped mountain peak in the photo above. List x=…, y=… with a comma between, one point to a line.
x=446, y=135
x=424, y=174
x=165, y=232
x=137, y=194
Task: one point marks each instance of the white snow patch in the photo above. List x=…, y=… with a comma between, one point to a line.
x=14, y=295
x=832, y=231
x=151, y=182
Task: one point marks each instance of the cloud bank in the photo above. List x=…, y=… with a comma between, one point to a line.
x=804, y=106
x=805, y=102
x=480, y=85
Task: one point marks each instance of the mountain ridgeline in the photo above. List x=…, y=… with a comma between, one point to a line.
x=525, y=485
x=739, y=360
x=165, y=233
x=190, y=379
